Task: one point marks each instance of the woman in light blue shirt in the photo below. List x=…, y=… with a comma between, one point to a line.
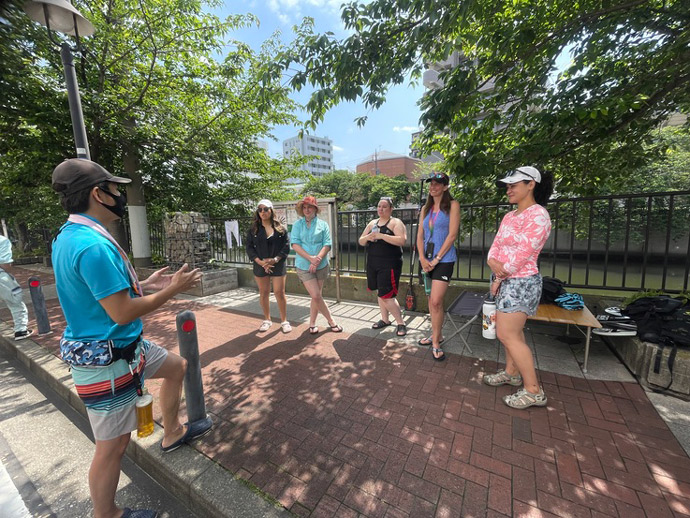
x=311, y=241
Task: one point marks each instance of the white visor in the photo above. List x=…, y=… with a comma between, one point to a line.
x=265, y=203
x=522, y=173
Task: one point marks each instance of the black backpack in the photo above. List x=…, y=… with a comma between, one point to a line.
x=677, y=328
x=551, y=289
x=652, y=315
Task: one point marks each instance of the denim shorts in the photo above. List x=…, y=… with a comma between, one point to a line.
x=519, y=294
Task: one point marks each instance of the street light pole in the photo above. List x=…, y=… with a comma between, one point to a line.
x=74, y=100
x=61, y=16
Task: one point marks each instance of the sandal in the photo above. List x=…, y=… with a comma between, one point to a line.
x=336, y=328
x=402, y=330
x=428, y=341
x=286, y=326
x=435, y=351
x=313, y=330
x=265, y=326
x=380, y=324
x=523, y=399
x=502, y=378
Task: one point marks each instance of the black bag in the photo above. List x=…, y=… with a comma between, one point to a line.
x=652, y=315
x=677, y=328
x=551, y=289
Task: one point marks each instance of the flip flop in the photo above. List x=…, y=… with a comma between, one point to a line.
x=336, y=328
x=402, y=330
x=380, y=324
x=438, y=358
x=425, y=342
x=313, y=330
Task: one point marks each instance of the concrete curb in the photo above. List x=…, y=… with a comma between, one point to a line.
x=200, y=483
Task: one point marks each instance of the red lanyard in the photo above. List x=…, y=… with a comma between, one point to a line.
x=432, y=221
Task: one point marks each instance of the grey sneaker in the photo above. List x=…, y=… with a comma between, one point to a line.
x=523, y=399
x=21, y=335
x=502, y=378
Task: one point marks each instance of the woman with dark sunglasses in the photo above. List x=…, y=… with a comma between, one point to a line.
x=439, y=221
x=384, y=238
x=516, y=282
x=268, y=245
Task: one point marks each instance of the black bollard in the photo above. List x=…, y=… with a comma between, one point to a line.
x=193, y=385
x=39, y=302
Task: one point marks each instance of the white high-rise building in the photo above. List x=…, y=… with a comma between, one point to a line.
x=309, y=145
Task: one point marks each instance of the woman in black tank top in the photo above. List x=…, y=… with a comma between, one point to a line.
x=384, y=238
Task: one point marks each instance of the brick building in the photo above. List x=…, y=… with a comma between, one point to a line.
x=390, y=164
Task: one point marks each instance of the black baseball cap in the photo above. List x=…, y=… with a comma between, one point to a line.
x=438, y=177
x=75, y=174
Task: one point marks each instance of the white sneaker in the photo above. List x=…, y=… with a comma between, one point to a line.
x=286, y=326
x=265, y=325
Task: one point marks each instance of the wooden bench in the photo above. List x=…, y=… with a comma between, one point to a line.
x=580, y=318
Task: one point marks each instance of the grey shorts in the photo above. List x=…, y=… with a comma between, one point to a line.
x=519, y=294
x=113, y=414
x=321, y=275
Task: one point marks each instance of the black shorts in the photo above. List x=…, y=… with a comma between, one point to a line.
x=442, y=272
x=383, y=278
x=279, y=270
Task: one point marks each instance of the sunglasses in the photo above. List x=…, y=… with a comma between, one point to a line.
x=513, y=173
x=263, y=209
x=438, y=176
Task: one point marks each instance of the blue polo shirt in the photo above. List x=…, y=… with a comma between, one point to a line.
x=89, y=268
x=312, y=238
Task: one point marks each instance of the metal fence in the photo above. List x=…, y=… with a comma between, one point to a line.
x=622, y=242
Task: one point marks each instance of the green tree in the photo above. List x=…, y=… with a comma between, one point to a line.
x=359, y=190
x=503, y=104
x=169, y=99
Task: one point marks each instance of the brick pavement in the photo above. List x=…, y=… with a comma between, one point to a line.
x=349, y=425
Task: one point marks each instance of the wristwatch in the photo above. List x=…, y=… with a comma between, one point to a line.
x=438, y=258
x=276, y=258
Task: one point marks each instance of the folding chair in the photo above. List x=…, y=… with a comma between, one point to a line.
x=467, y=304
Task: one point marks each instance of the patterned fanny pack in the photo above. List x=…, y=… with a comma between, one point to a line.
x=97, y=353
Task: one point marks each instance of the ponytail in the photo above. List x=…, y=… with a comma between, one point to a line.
x=544, y=189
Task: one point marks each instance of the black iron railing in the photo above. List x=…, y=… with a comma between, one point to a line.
x=623, y=242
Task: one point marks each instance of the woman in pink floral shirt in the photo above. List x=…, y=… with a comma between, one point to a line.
x=516, y=282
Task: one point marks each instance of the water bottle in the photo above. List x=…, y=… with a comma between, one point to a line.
x=489, y=318
x=427, y=283
x=374, y=230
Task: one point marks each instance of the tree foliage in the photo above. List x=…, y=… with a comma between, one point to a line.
x=162, y=84
x=359, y=190
x=504, y=104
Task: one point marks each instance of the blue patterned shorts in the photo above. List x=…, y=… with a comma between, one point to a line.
x=519, y=294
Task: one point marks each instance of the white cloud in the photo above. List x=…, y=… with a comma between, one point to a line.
x=338, y=149
x=292, y=11
x=405, y=129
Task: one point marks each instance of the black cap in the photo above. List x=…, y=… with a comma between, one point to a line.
x=439, y=177
x=75, y=174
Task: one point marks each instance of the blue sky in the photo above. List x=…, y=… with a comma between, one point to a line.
x=388, y=128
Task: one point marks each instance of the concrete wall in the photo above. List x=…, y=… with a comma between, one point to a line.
x=353, y=288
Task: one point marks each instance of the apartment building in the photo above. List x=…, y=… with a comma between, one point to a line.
x=321, y=148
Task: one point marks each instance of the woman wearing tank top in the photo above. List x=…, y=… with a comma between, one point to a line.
x=439, y=221
x=384, y=238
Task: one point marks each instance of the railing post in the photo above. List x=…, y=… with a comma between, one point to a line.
x=39, y=303
x=193, y=385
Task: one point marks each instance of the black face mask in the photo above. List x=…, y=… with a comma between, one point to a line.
x=120, y=202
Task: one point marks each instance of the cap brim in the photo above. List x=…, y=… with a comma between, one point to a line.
x=509, y=180
x=119, y=179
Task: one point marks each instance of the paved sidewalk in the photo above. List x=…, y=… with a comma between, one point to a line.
x=363, y=424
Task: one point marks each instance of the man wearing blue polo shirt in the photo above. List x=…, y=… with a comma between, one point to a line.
x=102, y=301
